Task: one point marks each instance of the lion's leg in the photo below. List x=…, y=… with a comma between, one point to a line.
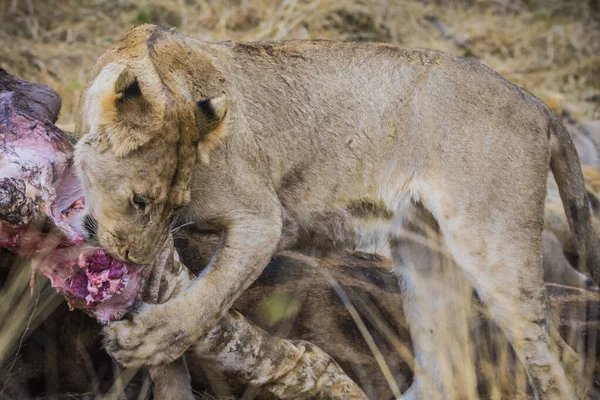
x=501, y=256
x=437, y=301
x=172, y=381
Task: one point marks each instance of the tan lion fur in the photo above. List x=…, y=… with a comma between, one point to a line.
x=342, y=143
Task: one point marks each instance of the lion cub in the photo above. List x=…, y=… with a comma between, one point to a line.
x=346, y=142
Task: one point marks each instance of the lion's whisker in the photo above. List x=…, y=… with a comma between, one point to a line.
x=175, y=230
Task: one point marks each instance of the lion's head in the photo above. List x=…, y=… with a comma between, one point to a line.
x=141, y=134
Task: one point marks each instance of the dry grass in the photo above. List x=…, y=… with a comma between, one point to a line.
x=543, y=45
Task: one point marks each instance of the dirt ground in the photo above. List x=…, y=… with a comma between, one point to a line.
x=543, y=45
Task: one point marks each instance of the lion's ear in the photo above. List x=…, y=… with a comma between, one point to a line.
x=125, y=113
x=127, y=86
x=210, y=115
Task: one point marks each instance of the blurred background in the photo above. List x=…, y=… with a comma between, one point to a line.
x=546, y=46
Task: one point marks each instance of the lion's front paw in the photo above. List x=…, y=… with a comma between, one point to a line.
x=157, y=335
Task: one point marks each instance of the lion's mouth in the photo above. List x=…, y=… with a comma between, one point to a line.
x=41, y=217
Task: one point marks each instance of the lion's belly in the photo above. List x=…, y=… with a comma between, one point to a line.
x=354, y=203
x=360, y=225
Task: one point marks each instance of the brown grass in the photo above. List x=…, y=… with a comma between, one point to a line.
x=544, y=45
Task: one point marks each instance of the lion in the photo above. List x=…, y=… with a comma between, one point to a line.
x=346, y=144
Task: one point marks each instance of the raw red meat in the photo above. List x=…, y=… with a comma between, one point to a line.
x=41, y=212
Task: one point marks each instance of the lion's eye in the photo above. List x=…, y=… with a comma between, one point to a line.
x=139, y=202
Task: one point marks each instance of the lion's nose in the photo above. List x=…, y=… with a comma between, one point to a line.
x=133, y=259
